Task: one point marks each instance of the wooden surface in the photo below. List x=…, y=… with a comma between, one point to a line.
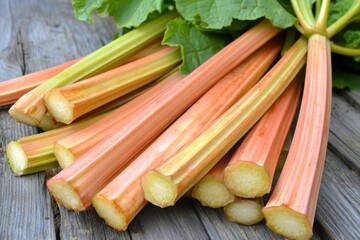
x=36, y=34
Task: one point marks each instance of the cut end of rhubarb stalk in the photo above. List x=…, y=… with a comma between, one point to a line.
x=212, y=192
x=246, y=179
x=16, y=157
x=21, y=117
x=159, y=189
x=244, y=211
x=63, y=155
x=65, y=195
x=287, y=222
x=108, y=211
x=59, y=107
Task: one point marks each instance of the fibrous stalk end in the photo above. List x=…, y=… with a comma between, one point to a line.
x=16, y=157
x=212, y=192
x=159, y=189
x=63, y=155
x=287, y=222
x=59, y=107
x=19, y=116
x=65, y=195
x=244, y=211
x=246, y=179
x=108, y=211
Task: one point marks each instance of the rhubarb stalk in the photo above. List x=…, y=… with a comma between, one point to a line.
x=68, y=103
x=290, y=211
x=165, y=184
x=35, y=153
x=123, y=198
x=245, y=211
x=30, y=108
x=250, y=172
x=211, y=190
x=12, y=90
x=77, y=184
x=69, y=148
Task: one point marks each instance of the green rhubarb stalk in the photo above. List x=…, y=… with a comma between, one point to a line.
x=35, y=153
x=12, y=90
x=68, y=103
x=30, y=108
x=69, y=148
x=344, y=20
x=165, y=184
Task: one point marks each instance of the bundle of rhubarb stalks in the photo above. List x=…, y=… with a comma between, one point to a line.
x=127, y=127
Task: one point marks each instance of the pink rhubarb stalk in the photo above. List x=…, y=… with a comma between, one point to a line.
x=123, y=198
x=75, y=186
x=290, y=211
x=250, y=172
x=166, y=183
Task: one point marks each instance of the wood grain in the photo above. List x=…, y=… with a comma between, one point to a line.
x=338, y=209
x=25, y=205
x=344, y=138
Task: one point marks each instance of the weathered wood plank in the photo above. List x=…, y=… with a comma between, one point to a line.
x=86, y=225
x=338, y=209
x=43, y=35
x=344, y=138
x=353, y=97
x=10, y=52
x=219, y=227
x=64, y=38
x=25, y=205
x=175, y=223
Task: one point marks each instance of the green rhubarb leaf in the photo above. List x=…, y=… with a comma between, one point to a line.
x=338, y=8
x=350, y=36
x=344, y=79
x=196, y=46
x=83, y=9
x=217, y=14
x=125, y=13
x=346, y=72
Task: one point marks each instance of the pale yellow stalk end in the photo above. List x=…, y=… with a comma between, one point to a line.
x=287, y=223
x=212, y=192
x=59, y=107
x=108, y=211
x=22, y=117
x=246, y=179
x=65, y=195
x=159, y=189
x=63, y=155
x=244, y=211
x=16, y=157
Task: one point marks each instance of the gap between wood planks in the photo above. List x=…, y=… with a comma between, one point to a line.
x=55, y=208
